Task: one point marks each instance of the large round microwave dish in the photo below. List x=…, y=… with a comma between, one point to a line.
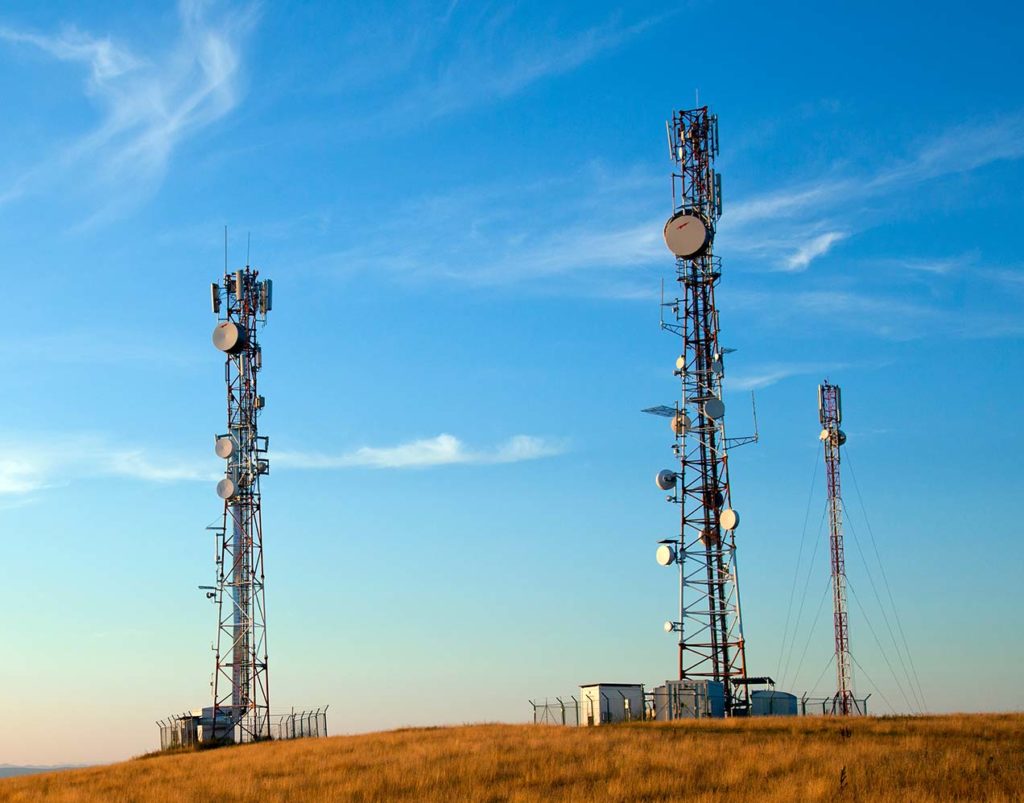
x=229, y=337
x=686, y=235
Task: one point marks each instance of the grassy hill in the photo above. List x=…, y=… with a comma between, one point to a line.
x=954, y=758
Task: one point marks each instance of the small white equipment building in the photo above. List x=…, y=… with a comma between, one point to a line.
x=604, y=703
x=689, y=699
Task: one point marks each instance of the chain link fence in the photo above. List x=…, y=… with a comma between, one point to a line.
x=557, y=712
x=191, y=730
x=562, y=711
x=827, y=706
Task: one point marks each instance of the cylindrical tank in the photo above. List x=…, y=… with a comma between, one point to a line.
x=770, y=703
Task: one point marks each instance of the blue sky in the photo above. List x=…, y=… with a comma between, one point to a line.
x=461, y=207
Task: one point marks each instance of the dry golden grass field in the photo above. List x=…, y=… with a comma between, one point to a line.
x=977, y=757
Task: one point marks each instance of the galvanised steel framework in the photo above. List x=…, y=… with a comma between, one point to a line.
x=830, y=413
x=709, y=627
x=241, y=689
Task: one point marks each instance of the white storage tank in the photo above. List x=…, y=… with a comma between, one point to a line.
x=770, y=703
x=605, y=703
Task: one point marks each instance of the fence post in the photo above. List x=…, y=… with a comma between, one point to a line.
x=625, y=707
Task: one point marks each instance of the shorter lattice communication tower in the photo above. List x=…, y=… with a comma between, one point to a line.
x=241, y=686
x=830, y=413
x=241, y=682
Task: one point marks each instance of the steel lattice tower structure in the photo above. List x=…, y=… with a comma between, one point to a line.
x=830, y=413
x=241, y=690
x=709, y=626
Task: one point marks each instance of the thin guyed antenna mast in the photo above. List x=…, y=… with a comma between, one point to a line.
x=830, y=413
x=709, y=625
x=241, y=690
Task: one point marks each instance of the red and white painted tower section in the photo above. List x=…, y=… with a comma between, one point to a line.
x=830, y=413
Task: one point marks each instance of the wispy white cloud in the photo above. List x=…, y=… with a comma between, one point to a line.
x=546, y=234
x=938, y=266
x=958, y=150
x=1007, y=277
x=49, y=460
x=813, y=248
x=95, y=346
x=570, y=251
x=807, y=215
x=780, y=204
x=105, y=59
x=879, y=313
x=445, y=64
x=150, y=102
x=490, y=68
x=492, y=235
x=764, y=376
x=442, y=450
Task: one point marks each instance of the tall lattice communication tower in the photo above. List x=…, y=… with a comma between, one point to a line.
x=709, y=625
x=241, y=689
x=830, y=413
